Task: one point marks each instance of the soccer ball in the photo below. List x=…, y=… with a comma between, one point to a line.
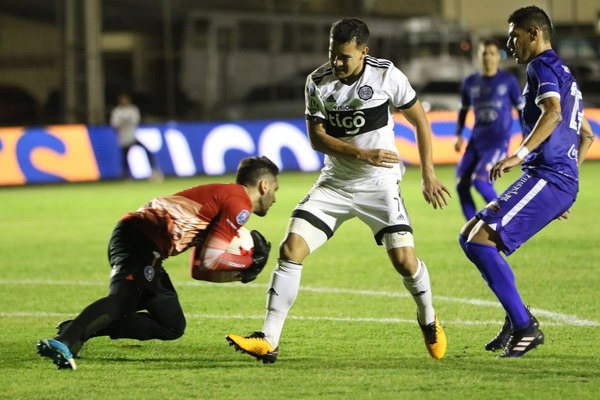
x=242, y=244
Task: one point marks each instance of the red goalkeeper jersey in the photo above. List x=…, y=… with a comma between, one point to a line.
x=184, y=219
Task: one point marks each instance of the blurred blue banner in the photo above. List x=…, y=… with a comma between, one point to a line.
x=77, y=153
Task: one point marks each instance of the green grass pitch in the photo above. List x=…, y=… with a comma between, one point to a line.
x=352, y=332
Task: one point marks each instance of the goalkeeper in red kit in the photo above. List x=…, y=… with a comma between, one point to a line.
x=142, y=302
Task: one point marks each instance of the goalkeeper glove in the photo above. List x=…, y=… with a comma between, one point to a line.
x=259, y=257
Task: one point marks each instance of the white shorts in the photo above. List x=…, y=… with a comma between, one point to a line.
x=325, y=209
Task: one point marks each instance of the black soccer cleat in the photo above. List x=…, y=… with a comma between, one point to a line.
x=498, y=342
x=522, y=341
x=501, y=339
x=58, y=352
x=75, y=347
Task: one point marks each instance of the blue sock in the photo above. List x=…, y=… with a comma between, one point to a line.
x=500, y=279
x=485, y=188
x=466, y=200
x=462, y=240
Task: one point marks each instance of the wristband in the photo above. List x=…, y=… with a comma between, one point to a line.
x=522, y=152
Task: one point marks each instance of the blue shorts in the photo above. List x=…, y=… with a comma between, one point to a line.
x=476, y=163
x=523, y=209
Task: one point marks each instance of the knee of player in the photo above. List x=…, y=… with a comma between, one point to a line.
x=463, y=184
x=400, y=248
x=293, y=248
x=406, y=264
x=175, y=332
x=482, y=183
x=466, y=229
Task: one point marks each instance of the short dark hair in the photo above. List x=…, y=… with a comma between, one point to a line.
x=348, y=29
x=530, y=16
x=490, y=42
x=251, y=170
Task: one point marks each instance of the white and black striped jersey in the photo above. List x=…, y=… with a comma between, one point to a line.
x=361, y=114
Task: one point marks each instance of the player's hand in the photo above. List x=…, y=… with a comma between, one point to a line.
x=458, y=144
x=435, y=192
x=502, y=166
x=380, y=157
x=259, y=257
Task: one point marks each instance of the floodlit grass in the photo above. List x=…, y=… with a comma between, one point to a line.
x=351, y=333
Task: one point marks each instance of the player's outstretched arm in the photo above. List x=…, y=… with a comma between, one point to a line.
x=434, y=192
x=549, y=119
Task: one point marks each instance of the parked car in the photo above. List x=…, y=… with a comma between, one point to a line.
x=440, y=95
x=281, y=99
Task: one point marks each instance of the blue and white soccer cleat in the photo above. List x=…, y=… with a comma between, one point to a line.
x=58, y=352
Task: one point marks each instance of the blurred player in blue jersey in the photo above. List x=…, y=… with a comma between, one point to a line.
x=557, y=138
x=492, y=93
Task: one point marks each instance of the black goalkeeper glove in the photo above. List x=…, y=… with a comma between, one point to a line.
x=259, y=257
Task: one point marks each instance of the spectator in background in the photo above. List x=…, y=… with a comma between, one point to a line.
x=125, y=118
x=492, y=93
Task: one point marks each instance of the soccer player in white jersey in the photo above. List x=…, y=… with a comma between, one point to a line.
x=349, y=104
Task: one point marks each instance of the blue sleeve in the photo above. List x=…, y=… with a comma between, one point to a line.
x=548, y=85
x=465, y=99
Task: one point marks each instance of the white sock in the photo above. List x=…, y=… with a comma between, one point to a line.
x=283, y=289
x=419, y=287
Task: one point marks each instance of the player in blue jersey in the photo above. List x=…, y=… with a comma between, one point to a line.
x=492, y=93
x=557, y=137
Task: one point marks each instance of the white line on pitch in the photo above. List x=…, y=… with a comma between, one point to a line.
x=565, y=319
x=42, y=314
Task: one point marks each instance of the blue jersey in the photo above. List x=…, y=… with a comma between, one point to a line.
x=555, y=160
x=492, y=99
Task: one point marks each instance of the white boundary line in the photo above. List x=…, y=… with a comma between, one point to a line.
x=559, y=318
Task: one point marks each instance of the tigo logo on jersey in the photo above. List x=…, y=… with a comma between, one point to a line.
x=352, y=123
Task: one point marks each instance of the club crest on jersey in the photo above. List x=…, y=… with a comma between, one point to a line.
x=502, y=90
x=149, y=273
x=242, y=217
x=365, y=92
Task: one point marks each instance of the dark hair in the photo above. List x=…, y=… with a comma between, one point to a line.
x=348, y=29
x=490, y=42
x=528, y=17
x=250, y=170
